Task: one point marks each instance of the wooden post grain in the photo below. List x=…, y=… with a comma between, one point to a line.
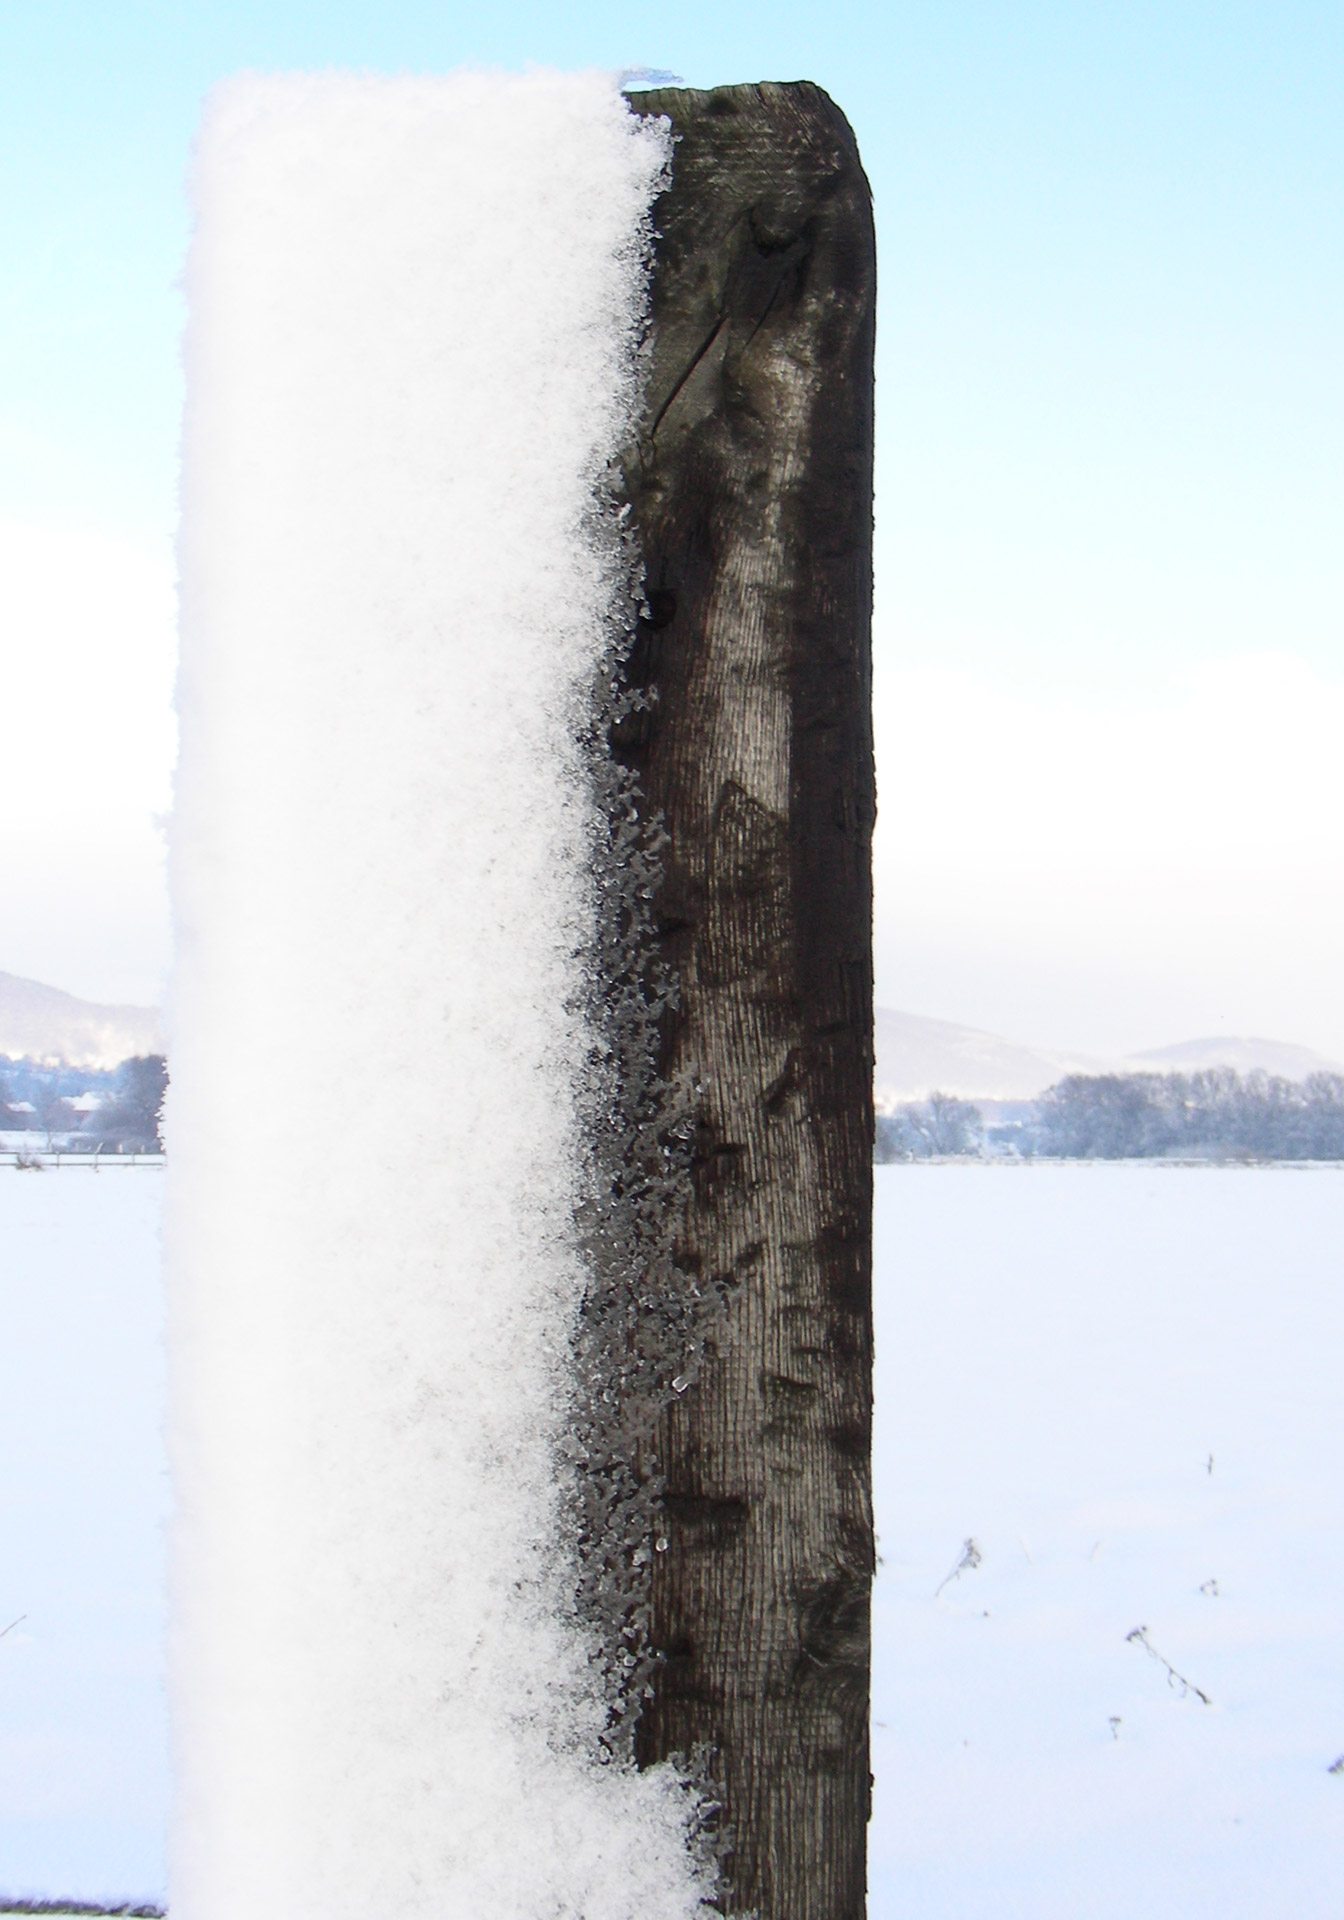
x=751, y=488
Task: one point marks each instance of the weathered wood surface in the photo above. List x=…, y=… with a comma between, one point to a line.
x=752, y=489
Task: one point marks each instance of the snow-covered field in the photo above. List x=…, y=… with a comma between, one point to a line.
x=83, y=1498
x=1123, y=1384
x=1061, y=1351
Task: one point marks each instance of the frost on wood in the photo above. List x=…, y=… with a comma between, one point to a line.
x=411, y=888
x=644, y=1319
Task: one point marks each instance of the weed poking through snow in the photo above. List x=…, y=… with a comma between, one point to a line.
x=969, y=1561
x=1174, y=1679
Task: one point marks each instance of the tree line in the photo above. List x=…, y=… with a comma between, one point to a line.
x=1217, y=1114
x=86, y=1109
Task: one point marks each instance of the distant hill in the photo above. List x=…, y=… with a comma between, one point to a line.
x=916, y=1056
x=1277, y=1057
x=42, y=1023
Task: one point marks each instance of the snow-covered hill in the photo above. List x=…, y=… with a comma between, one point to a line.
x=42, y=1023
x=915, y=1056
x=1247, y=1056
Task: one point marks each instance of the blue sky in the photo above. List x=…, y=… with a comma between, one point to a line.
x=1109, y=477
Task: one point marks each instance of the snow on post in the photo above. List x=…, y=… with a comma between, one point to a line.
x=412, y=358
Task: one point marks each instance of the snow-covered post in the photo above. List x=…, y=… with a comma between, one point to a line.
x=429, y=1549
x=752, y=493
x=411, y=357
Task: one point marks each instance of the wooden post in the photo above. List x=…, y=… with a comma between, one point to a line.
x=751, y=489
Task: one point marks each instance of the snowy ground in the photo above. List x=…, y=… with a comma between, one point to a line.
x=83, y=1494
x=1061, y=1350
x=1122, y=1383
